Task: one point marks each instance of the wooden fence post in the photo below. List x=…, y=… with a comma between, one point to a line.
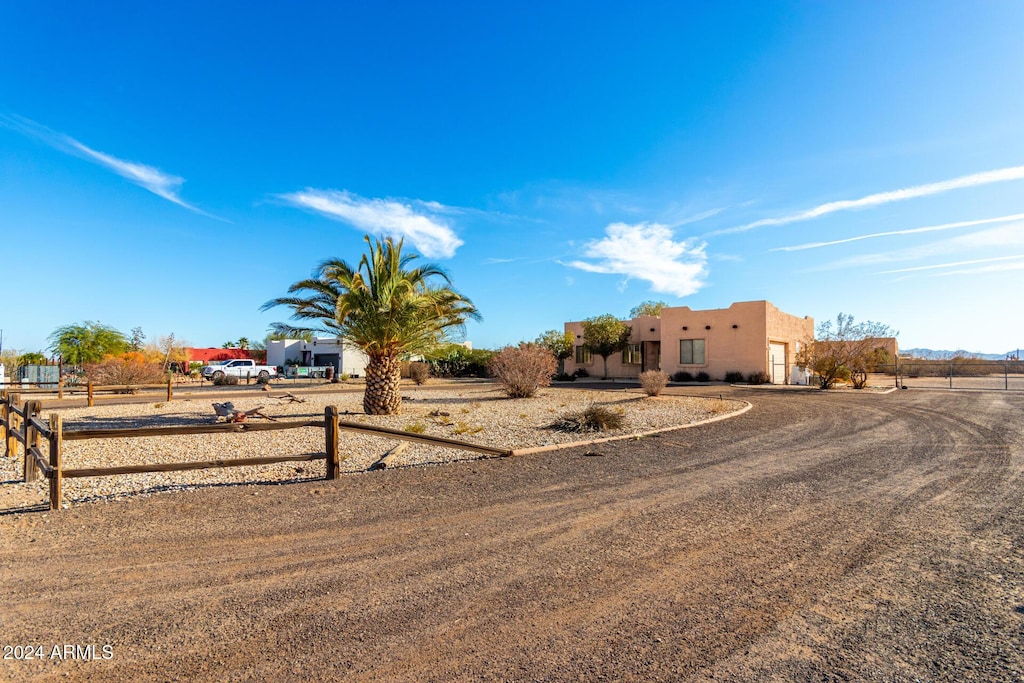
x=12, y=425
x=60, y=387
x=56, y=445
x=31, y=437
x=170, y=388
x=331, y=436
x=5, y=415
x=89, y=390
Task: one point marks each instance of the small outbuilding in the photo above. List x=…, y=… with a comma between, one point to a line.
x=747, y=337
x=345, y=358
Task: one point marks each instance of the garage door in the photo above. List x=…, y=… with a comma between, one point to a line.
x=777, y=362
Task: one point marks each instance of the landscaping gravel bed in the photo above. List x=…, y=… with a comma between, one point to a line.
x=477, y=414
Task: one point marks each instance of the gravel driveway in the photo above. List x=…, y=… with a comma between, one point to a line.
x=835, y=536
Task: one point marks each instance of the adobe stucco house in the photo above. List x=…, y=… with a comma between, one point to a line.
x=747, y=337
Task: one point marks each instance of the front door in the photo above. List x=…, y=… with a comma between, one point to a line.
x=652, y=356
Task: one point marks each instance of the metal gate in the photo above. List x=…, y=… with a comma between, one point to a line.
x=777, y=362
x=961, y=374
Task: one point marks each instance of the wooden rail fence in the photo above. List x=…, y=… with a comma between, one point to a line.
x=24, y=425
x=91, y=389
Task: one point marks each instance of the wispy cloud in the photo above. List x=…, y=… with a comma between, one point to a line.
x=974, y=180
x=151, y=178
x=686, y=219
x=423, y=226
x=994, y=268
x=910, y=231
x=494, y=260
x=1002, y=239
x=649, y=252
x=954, y=264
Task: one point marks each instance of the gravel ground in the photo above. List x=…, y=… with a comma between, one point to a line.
x=817, y=537
x=477, y=414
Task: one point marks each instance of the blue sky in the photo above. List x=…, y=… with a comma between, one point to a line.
x=174, y=167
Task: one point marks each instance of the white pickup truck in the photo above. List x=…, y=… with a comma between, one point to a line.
x=240, y=367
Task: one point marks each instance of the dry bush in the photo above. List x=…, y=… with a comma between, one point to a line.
x=130, y=369
x=522, y=370
x=590, y=419
x=419, y=372
x=226, y=380
x=759, y=377
x=653, y=381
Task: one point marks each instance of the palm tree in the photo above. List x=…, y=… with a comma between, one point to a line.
x=384, y=307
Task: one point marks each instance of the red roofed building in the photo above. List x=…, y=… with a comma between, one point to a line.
x=207, y=356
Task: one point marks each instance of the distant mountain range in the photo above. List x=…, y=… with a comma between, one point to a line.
x=933, y=354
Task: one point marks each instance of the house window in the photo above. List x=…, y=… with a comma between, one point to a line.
x=632, y=355
x=691, y=352
x=582, y=355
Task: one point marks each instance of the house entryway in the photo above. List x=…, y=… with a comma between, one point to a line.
x=777, y=362
x=652, y=356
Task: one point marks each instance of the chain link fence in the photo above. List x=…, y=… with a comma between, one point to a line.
x=958, y=373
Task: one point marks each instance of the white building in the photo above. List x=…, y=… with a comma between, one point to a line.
x=321, y=352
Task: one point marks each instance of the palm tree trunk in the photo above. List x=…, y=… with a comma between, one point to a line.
x=383, y=394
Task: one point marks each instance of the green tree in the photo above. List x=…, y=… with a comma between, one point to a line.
x=647, y=308
x=385, y=307
x=605, y=335
x=136, y=340
x=87, y=342
x=243, y=342
x=560, y=344
x=31, y=358
x=847, y=350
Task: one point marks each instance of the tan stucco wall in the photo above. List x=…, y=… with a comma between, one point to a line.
x=791, y=330
x=736, y=339
x=645, y=329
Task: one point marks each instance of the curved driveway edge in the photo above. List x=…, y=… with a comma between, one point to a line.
x=575, y=444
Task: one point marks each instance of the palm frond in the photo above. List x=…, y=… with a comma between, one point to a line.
x=384, y=306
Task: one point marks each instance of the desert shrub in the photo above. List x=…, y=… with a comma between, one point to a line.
x=682, y=376
x=523, y=369
x=759, y=377
x=653, y=381
x=733, y=376
x=419, y=372
x=703, y=376
x=262, y=379
x=130, y=369
x=226, y=380
x=457, y=361
x=343, y=377
x=581, y=372
x=415, y=428
x=463, y=428
x=593, y=418
x=563, y=377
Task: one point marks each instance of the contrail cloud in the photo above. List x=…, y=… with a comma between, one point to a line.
x=952, y=265
x=909, y=231
x=974, y=180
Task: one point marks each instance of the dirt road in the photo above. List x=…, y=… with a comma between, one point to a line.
x=817, y=537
